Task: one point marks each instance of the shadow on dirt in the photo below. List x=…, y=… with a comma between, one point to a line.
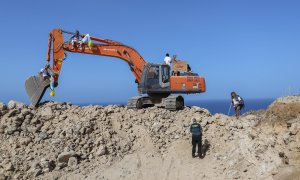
x=205, y=147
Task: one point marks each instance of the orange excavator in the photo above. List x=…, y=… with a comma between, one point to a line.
x=155, y=81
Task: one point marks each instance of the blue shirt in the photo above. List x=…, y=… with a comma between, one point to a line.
x=196, y=129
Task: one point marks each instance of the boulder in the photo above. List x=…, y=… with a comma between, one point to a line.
x=157, y=126
x=12, y=112
x=250, y=117
x=152, y=115
x=286, y=138
x=200, y=110
x=204, y=122
x=35, y=169
x=295, y=128
x=3, y=177
x=11, y=104
x=44, y=163
x=47, y=113
x=2, y=127
x=9, y=167
x=10, y=130
x=72, y=162
x=43, y=135
x=64, y=156
x=109, y=109
x=15, y=104
x=25, y=113
x=2, y=106
x=25, y=141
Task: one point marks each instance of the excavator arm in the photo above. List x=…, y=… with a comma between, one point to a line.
x=57, y=47
x=101, y=47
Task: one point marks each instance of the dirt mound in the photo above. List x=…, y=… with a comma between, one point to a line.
x=64, y=141
x=283, y=110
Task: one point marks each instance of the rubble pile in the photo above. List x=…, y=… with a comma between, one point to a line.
x=61, y=140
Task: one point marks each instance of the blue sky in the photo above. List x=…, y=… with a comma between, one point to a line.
x=250, y=46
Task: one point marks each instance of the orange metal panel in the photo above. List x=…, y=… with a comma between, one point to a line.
x=187, y=83
x=58, y=52
x=202, y=83
x=126, y=53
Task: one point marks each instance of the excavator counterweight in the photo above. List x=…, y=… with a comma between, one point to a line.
x=155, y=81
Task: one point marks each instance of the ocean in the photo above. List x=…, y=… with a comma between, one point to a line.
x=214, y=106
x=223, y=106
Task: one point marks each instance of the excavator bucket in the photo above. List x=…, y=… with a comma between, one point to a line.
x=35, y=87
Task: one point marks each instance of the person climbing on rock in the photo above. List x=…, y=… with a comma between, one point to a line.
x=238, y=103
x=196, y=131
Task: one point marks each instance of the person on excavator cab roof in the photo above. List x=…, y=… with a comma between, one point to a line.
x=167, y=59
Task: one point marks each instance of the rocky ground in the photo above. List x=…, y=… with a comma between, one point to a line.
x=64, y=141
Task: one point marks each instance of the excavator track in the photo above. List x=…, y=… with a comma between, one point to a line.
x=132, y=102
x=174, y=103
x=139, y=102
x=171, y=102
x=35, y=88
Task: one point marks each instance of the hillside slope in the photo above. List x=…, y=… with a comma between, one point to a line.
x=64, y=141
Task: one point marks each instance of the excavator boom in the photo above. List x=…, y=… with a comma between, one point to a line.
x=102, y=47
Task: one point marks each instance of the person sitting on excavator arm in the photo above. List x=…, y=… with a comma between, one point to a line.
x=76, y=39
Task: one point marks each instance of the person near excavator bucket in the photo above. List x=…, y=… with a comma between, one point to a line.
x=167, y=59
x=45, y=72
x=52, y=93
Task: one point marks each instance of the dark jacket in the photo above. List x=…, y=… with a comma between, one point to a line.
x=196, y=129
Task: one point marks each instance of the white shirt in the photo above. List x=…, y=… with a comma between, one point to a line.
x=51, y=79
x=236, y=101
x=44, y=72
x=167, y=60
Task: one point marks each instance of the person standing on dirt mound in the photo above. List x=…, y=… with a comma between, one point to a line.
x=238, y=103
x=196, y=131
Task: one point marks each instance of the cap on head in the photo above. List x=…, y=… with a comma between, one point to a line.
x=77, y=33
x=233, y=94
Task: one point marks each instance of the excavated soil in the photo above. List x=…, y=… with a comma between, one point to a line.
x=65, y=141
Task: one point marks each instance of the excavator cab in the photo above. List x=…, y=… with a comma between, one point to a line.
x=158, y=84
x=155, y=79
